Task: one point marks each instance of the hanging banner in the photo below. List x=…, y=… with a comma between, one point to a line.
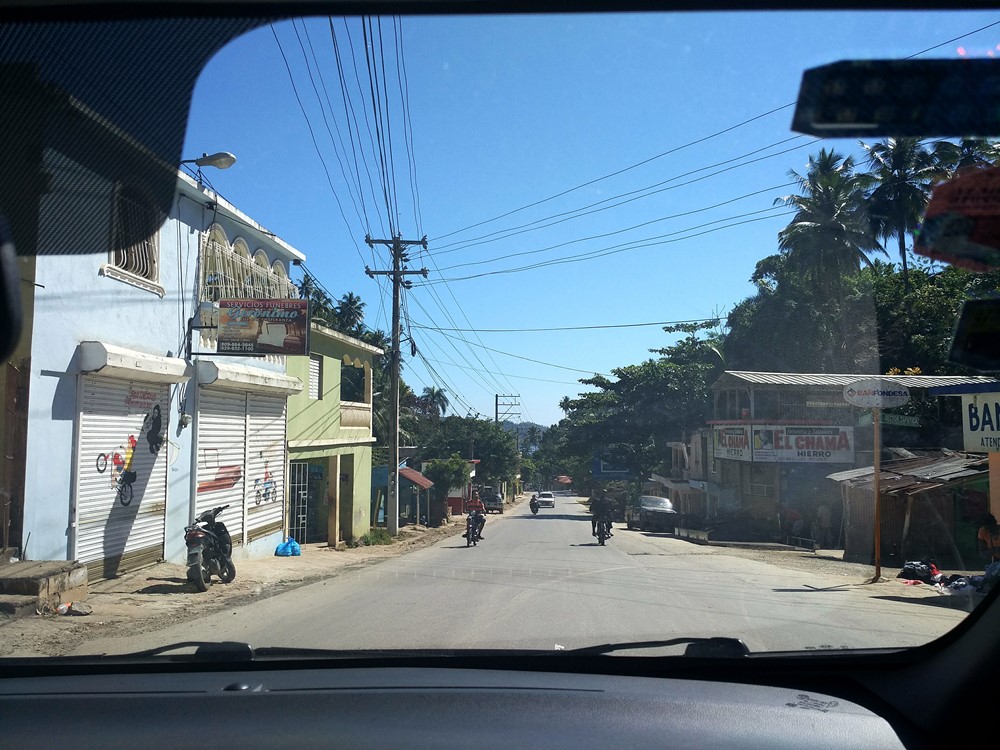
x=264, y=326
x=732, y=442
x=803, y=444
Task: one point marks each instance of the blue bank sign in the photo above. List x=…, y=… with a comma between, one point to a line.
x=981, y=422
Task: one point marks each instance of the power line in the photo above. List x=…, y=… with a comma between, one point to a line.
x=518, y=377
x=364, y=109
x=388, y=122
x=312, y=135
x=404, y=96
x=482, y=382
x=624, y=247
x=957, y=38
x=348, y=175
x=377, y=116
x=638, y=194
x=621, y=231
x=619, y=171
x=570, y=328
x=536, y=361
x=681, y=147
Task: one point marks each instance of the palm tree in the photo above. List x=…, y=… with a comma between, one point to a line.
x=532, y=436
x=830, y=235
x=968, y=153
x=902, y=172
x=436, y=400
x=320, y=305
x=350, y=312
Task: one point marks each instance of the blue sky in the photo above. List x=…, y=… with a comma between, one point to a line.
x=509, y=111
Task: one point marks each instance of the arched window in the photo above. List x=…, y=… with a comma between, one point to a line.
x=216, y=265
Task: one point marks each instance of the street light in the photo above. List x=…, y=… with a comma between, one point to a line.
x=220, y=160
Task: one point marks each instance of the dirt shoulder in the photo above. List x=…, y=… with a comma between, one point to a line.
x=161, y=595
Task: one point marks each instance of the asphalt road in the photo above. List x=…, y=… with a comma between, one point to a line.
x=543, y=582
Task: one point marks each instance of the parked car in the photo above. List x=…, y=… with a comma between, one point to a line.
x=546, y=500
x=493, y=503
x=651, y=513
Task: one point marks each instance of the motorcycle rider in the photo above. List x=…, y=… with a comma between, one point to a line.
x=601, y=505
x=533, y=504
x=476, y=509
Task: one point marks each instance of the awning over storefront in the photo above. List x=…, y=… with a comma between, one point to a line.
x=112, y=361
x=245, y=378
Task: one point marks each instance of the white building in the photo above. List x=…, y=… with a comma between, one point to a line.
x=127, y=427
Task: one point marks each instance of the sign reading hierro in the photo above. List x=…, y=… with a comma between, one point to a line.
x=876, y=393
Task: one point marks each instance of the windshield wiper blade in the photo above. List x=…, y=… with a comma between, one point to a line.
x=713, y=648
x=203, y=651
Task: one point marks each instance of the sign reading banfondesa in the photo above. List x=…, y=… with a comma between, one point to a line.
x=981, y=422
x=876, y=393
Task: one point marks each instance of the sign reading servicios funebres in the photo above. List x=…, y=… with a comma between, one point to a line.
x=876, y=393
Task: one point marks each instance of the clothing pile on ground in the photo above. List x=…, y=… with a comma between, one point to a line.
x=917, y=572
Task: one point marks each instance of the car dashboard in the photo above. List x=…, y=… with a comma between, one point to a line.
x=427, y=708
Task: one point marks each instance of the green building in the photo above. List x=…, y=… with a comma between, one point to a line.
x=330, y=439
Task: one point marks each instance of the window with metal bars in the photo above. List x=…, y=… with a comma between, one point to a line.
x=133, y=248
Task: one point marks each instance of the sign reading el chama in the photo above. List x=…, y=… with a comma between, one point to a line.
x=876, y=393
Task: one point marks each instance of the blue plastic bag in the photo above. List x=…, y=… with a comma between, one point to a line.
x=289, y=548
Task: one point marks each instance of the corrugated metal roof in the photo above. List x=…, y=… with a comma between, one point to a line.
x=416, y=477
x=835, y=380
x=909, y=473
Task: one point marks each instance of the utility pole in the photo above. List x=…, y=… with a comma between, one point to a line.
x=397, y=247
x=511, y=406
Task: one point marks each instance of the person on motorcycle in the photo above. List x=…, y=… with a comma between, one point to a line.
x=476, y=509
x=602, y=505
x=533, y=504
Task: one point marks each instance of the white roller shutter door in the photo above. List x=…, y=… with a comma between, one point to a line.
x=121, y=484
x=266, y=464
x=221, y=468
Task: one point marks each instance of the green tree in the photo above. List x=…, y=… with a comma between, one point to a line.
x=446, y=473
x=784, y=327
x=532, y=436
x=350, y=313
x=902, y=171
x=830, y=236
x=916, y=324
x=632, y=417
x=967, y=153
x=321, y=306
x=487, y=441
x=435, y=400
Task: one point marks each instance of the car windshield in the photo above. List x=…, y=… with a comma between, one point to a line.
x=394, y=269
x=656, y=502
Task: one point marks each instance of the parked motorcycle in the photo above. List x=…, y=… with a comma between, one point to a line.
x=209, y=550
x=473, y=526
x=603, y=529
